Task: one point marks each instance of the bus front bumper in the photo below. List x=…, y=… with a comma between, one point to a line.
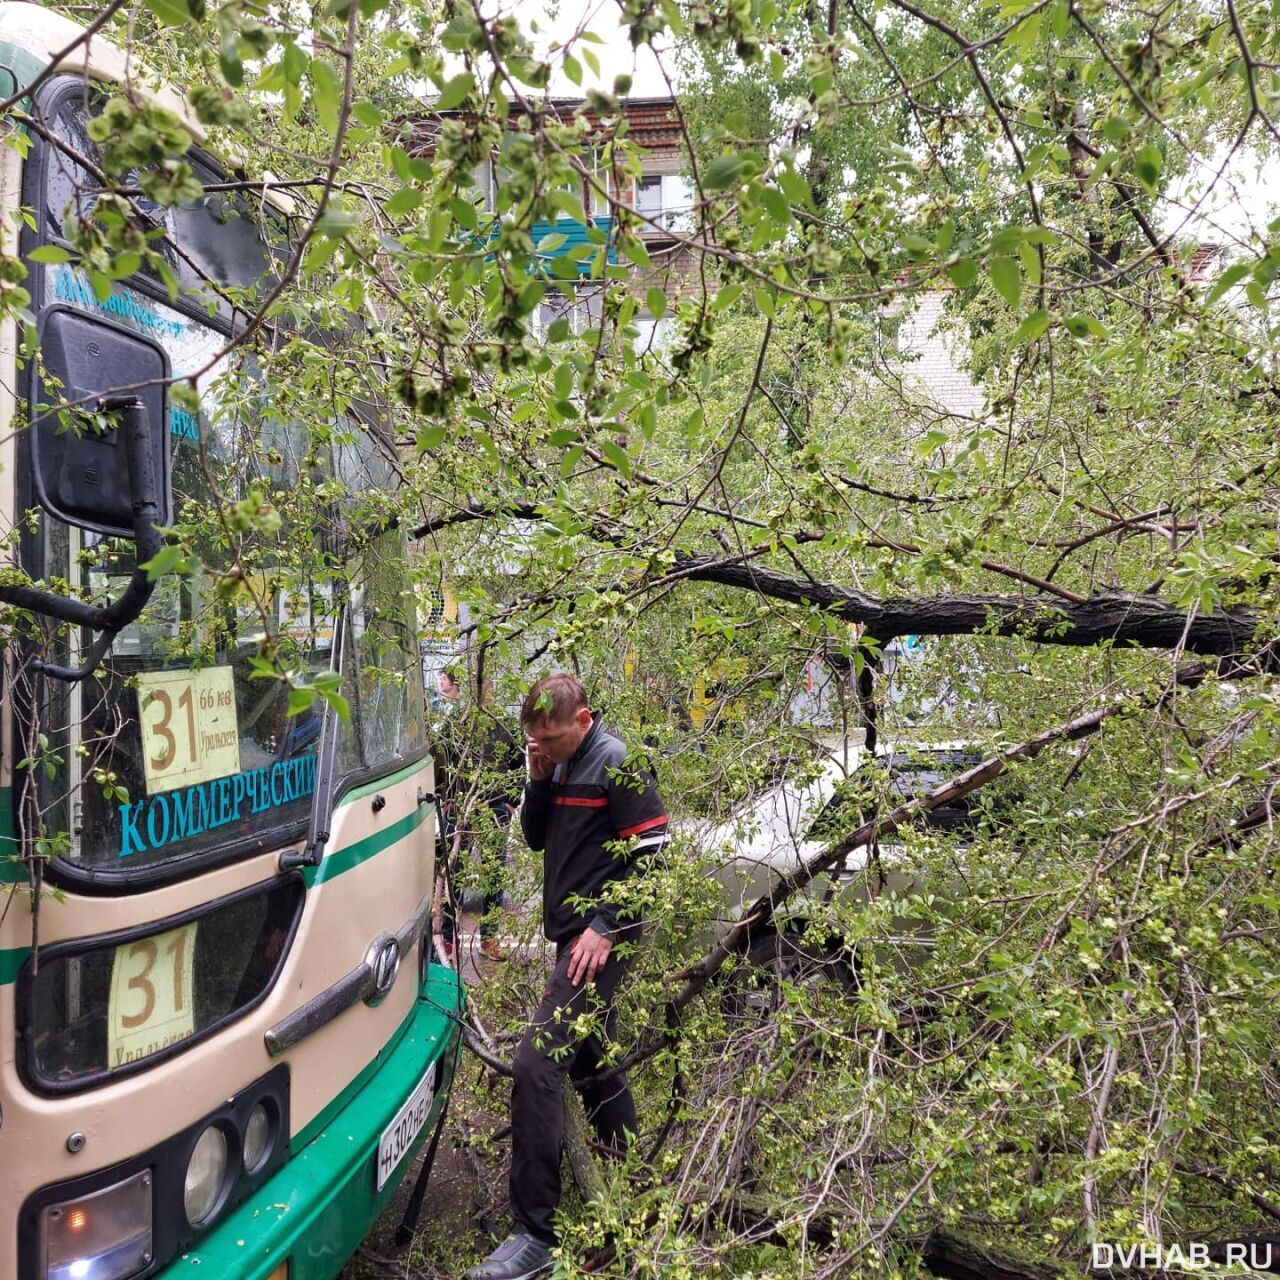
x=312, y=1215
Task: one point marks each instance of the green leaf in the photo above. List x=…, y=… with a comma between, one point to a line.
x=1227, y=280
x=764, y=302
x=616, y=455
x=656, y=301
x=725, y=171
x=366, y=113
x=633, y=248
x=464, y=213
x=550, y=243
x=776, y=203
x=573, y=68
x=963, y=273
x=1083, y=326
x=1032, y=327
x=50, y=253
x=337, y=222
x=530, y=296
x=795, y=188
x=726, y=297
x=1007, y=278
x=406, y=200
x=300, y=699
x=170, y=13
x=455, y=91
x=1146, y=165
x=570, y=204
x=166, y=560
x=326, y=93
x=329, y=692
x=185, y=396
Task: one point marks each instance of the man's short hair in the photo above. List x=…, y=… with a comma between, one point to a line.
x=555, y=698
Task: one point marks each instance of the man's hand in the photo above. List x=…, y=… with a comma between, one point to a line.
x=590, y=951
x=541, y=767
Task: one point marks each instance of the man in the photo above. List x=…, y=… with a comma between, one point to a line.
x=582, y=803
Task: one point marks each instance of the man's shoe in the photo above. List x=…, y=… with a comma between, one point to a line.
x=518, y=1257
x=446, y=949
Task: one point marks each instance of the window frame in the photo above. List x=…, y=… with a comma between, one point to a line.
x=26, y=991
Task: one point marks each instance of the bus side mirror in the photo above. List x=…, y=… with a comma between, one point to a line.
x=108, y=472
x=79, y=456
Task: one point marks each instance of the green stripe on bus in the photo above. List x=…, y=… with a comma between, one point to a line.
x=335, y=864
x=24, y=67
x=380, y=784
x=10, y=962
x=12, y=870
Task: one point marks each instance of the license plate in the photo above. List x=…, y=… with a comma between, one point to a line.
x=409, y=1121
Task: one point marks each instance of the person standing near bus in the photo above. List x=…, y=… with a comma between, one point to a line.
x=594, y=816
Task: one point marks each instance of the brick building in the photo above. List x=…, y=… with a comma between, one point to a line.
x=660, y=196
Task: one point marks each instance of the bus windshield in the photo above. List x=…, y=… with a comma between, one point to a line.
x=186, y=747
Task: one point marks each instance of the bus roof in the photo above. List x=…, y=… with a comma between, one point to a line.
x=44, y=36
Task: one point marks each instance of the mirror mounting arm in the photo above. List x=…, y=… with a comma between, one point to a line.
x=109, y=620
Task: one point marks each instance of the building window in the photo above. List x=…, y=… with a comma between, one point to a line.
x=482, y=185
x=666, y=199
x=583, y=310
x=652, y=336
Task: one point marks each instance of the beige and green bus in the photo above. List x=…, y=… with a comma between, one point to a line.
x=222, y=1041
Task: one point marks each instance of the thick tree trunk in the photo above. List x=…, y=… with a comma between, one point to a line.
x=577, y=1146
x=952, y=1257
x=1114, y=617
x=1146, y=621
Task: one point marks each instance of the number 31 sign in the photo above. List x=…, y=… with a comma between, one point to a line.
x=151, y=1005
x=189, y=731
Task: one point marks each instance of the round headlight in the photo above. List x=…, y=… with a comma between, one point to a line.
x=206, y=1175
x=257, y=1138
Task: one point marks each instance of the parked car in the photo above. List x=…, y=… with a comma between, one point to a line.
x=797, y=818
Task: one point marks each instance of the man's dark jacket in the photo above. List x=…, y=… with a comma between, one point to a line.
x=597, y=799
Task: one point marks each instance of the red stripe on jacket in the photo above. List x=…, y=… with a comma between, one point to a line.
x=643, y=826
x=584, y=802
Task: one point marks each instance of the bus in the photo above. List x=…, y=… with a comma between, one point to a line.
x=223, y=1038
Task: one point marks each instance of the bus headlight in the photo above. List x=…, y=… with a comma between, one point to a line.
x=206, y=1175
x=259, y=1136
x=101, y=1236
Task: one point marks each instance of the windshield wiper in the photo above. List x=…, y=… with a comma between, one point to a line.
x=312, y=853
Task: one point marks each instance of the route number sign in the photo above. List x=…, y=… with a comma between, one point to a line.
x=150, y=1006
x=189, y=729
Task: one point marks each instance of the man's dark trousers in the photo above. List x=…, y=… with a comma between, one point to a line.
x=549, y=1052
